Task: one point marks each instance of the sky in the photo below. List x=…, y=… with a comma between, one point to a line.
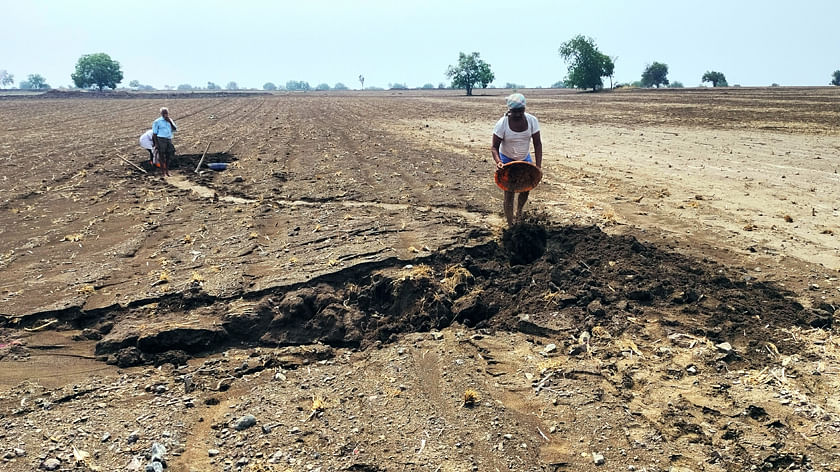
x=753, y=43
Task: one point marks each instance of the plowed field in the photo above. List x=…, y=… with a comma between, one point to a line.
x=668, y=303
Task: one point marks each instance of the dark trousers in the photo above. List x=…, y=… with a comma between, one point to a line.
x=165, y=149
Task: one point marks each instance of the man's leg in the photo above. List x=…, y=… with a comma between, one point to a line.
x=164, y=151
x=520, y=204
x=509, y=207
x=165, y=164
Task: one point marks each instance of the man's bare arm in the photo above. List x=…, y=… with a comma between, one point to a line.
x=537, y=149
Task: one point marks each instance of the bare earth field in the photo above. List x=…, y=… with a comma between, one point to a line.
x=345, y=295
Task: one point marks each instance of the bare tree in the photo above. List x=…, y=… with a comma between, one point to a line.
x=6, y=78
x=362, y=80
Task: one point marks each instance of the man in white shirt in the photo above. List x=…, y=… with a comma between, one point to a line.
x=512, y=137
x=148, y=144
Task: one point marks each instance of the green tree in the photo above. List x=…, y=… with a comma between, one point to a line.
x=322, y=86
x=298, y=85
x=184, y=87
x=339, y=86
x=428, y=86
x=835, y=78
x=269, y=86
x=6, y=78
x=558, y=84
x=485, y=75
x=676, y=84
x=97, y=69
x=655, y=74
x=34, y=82
x=213, y=86
x=586, y=63
x=471, y=70
x=232, y=86
x=135, y=84
x=716, y=78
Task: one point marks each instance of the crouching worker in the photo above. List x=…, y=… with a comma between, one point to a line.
x=147, y=142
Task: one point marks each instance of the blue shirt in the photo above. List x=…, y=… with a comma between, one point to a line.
x=161, y=128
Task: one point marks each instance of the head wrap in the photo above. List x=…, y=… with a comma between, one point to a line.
x=516, y=100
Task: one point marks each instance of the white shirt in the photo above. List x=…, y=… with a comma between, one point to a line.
x=146, y=140
x=516, y=144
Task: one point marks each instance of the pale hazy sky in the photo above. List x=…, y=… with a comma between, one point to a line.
x=754, y=43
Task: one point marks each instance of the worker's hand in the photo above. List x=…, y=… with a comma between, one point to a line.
x=499, y=165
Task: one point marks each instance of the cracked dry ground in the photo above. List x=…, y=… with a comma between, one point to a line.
x=668, y=305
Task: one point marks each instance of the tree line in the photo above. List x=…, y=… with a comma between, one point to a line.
x=587, y=66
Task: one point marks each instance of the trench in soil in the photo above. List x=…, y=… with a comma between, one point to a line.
x=539, y=278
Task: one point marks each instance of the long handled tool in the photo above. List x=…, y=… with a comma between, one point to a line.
x=202, y=158
x=135, y=165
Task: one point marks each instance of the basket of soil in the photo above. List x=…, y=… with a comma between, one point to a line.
x=518, y=176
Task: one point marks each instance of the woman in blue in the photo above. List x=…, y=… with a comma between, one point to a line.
x=512, y=138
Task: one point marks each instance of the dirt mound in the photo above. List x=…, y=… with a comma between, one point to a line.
x=539, y=278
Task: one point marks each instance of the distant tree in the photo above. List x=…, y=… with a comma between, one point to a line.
x=6, y=78
x=835, y=78
x=184, y=87
x=397, y=86
x=322, y=86
x=427, y=86
x=485, y=75
x=559, y=84
x=339, y=86
x=609, y=68
x=34, y=82
x=676, y=84
x=471, y=70
x=655, y=74
x=97, y=69
x=716, y=78
x=586, y=63
x=298, y=85
x=441, y=85
x=232, y=86
x=213, y=86
x=512, y=85
x=636, y=84
x=135, y=84
x=774, y=84
x=269, y=86
x=362, y=80
x=373, y=87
